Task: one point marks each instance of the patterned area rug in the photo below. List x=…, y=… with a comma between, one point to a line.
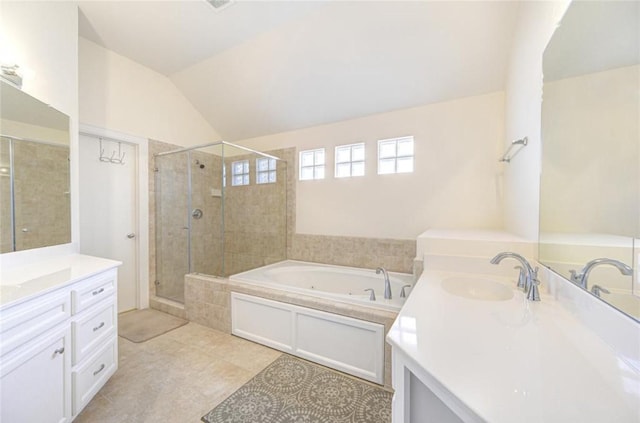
x=291, y=390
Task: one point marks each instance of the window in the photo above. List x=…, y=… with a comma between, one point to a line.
x=312, y=164
x=350, y=160
x=265, y=171
x=240, y=173
x=395, y=155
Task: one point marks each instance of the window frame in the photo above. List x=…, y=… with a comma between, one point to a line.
x=270, y=170
x=351, y=162
x=395, y=157
x=315, y=166
x=247, y=174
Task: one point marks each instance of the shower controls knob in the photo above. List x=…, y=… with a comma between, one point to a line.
x=196, y=213
x=131, y=235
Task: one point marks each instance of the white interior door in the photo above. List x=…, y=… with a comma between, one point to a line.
x=108, y=210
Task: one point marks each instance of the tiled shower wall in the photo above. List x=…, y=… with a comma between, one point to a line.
x=207, y=232
x=255, y=218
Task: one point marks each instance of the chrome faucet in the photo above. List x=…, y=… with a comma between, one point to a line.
x=387, y=282
x=583, y=277
x=403, y=292
x=530, y=275
x=372, y=294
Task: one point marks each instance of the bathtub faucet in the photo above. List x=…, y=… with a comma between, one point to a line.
x=387, y=282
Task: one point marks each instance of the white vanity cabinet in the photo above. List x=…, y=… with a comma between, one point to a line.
x=57, y=347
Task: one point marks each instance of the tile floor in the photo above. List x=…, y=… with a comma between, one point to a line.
x=176, y=377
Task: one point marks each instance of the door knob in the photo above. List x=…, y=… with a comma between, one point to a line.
x=131, y=235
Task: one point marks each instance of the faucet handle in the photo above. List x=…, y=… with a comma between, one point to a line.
x=403, y=292
x=522, y=277
x=575, y=276
x=597, y=289
x=372, y=296
x=533, y=294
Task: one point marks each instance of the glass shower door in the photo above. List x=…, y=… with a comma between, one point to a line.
x=172, y=224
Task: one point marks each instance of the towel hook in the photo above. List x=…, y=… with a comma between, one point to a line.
x=519, y=144
x=103, y=158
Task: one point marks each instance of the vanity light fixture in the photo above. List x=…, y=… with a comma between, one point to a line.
x=10, y=73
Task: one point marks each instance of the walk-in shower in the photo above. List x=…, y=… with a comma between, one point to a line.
x=221, y=209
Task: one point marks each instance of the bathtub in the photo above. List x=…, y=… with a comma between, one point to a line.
x=346, y=284
x=320, y=313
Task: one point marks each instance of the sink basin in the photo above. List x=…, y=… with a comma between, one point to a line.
x=477, y=289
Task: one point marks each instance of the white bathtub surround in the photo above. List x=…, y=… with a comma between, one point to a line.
x=513, y=360
x=208, y=302
x=343, y=343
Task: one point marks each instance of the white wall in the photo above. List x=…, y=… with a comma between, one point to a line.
x=121, y=95
x=42, y=38
x=455, y=183
x=523, y=95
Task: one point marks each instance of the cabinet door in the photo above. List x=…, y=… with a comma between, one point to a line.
x=35, y=380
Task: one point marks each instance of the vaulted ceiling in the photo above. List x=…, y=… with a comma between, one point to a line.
x=258, y=68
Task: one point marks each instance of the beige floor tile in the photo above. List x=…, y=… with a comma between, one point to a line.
x=176, y=377
x=246, y=354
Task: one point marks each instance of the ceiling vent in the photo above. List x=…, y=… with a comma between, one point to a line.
x=220, y=5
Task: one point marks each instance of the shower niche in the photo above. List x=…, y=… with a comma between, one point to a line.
x=220, y=209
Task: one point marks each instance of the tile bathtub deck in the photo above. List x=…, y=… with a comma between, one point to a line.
x=176, y=377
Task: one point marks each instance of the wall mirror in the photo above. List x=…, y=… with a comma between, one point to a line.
x=35, y=208
x=590, y=184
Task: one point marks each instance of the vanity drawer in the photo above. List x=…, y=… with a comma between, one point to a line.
x=88, y=378
x=93, y=290
x=93, y=328
x=24, y=322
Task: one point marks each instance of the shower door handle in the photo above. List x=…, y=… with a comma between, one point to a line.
x=131, y=235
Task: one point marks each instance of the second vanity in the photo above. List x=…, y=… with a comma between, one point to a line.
x=465, y=352
x=58, y=337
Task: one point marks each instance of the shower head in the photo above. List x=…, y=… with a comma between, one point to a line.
x=200, y=165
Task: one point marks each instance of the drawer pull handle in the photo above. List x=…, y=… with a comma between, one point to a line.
x=99, y=370
x=99, y=291
x=99, y=326
x=59, y=351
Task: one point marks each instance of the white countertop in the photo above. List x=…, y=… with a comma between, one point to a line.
x=515, y=360
x=21, y=283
